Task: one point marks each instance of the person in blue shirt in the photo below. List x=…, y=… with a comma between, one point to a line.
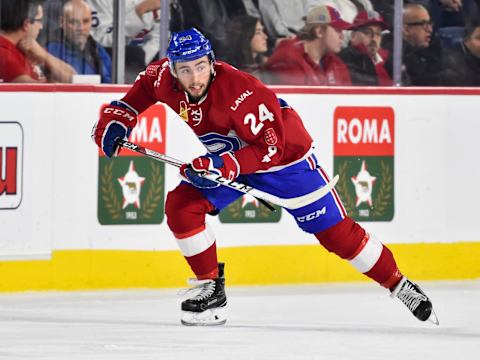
x=73, y=43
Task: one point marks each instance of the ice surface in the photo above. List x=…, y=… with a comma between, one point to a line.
x=344, y=321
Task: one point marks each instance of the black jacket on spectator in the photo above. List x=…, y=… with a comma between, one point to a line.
x=422, y=66
x=361, y=67
x=460, y=67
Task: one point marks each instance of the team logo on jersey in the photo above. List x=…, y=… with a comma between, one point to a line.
x=11, y=165
x=131, y=186
x=270, y=137
x=364, y=143
x=219, y=144
x=247, y=209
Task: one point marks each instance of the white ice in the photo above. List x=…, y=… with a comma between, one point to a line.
x=339, y=321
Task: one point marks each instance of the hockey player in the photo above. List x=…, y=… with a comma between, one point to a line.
x=252, y=135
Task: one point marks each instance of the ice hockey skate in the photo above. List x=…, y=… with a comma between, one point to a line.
x=207, y=306
x=415, y=300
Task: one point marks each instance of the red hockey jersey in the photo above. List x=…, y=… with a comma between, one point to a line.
x=238, y=114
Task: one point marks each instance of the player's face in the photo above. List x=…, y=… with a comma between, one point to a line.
x=194, y=76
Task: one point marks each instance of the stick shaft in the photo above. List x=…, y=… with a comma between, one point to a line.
x=289, y=203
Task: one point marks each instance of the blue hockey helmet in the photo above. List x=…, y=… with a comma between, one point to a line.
x=188, y=45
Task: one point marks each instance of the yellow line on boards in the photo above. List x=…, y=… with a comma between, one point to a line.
x=253, y=265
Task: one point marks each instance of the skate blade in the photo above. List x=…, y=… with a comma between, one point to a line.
x=433, y=318
x=210, y=317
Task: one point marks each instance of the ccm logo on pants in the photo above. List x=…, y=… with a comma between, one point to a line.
x=313, y=215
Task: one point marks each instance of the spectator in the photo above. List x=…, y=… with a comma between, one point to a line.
x=309, y=59
x=421, y=54
x=142, y=31
x=364, y=56
x=21, y=57
x=461, y=64
x=74, y=44
x=246, y=44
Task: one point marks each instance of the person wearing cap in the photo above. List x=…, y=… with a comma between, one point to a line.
x=364, y=56
x=310, y=58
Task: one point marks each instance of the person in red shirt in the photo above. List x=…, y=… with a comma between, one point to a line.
x=252, y=135
x=364, y=55
x=21, y=57
x=310, y=58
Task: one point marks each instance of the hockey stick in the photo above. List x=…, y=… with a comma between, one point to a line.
x=171, y=161
x=289, y=203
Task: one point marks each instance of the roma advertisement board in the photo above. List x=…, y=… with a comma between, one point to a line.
x=363, y=150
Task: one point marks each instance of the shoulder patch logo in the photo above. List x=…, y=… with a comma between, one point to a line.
x=152, y=70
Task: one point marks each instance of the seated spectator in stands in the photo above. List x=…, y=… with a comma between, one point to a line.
x=246, y=44
x=421, y=53
x=75, y=45
x=22, y=59
x=461, y=64
x=309, y=59
x=421, y=50
x=364, y=56
x=142, y=32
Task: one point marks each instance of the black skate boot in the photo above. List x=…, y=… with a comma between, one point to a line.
x=415, y=300
x=207, y=307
